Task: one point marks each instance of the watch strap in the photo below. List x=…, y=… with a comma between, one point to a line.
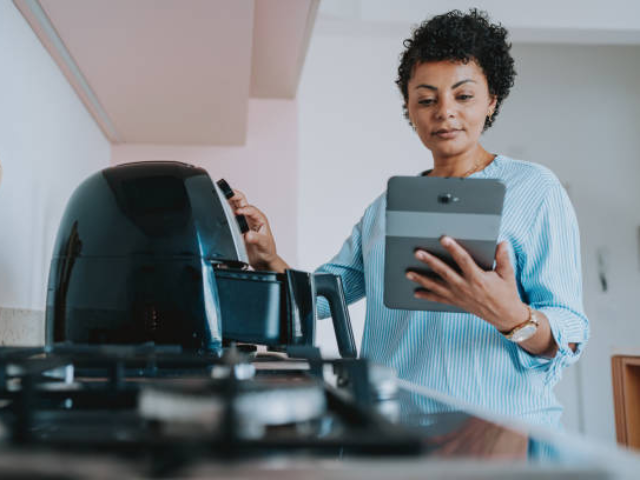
x=532, y=320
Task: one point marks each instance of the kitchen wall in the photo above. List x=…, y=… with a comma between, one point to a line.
x=575, y=109
x=48, y=144
x=265, y=168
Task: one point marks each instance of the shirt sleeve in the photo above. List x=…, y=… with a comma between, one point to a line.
x=551, y=279
x=348, y=264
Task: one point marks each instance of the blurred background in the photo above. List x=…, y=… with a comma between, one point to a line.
x=294, y=102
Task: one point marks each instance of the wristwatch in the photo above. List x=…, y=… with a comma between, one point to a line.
x=525, y=330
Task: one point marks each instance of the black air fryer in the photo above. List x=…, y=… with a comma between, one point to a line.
x=151, y=252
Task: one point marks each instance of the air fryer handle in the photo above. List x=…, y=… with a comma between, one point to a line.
x=330, y=287
x=228, y=193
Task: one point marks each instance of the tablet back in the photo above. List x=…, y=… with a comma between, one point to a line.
x=420, y=210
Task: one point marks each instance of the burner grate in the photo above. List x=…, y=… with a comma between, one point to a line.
x=88, y=399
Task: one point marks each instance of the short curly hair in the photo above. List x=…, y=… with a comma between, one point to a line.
x=461, y=37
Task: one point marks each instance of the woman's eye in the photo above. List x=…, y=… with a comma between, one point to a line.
x=426, y=101
x=465, y=97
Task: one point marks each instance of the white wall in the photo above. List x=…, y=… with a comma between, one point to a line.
x=575, y=109
x=48, y=145
x=265, y=168
x=352, y=139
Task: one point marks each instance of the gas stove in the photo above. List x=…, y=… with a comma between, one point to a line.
x=169, y=408
x=79, y=411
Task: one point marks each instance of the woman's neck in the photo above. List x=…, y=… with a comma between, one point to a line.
x=461, y=165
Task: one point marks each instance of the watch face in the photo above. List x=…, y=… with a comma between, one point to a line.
x=524, y=332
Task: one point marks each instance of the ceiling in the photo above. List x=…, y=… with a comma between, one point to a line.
x=611, y=22
x=175, y=71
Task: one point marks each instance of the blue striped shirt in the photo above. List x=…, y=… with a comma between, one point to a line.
x=459, y=354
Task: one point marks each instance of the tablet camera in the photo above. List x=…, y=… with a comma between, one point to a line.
x=447, y=198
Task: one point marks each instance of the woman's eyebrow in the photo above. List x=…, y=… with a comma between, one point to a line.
x=454, y=86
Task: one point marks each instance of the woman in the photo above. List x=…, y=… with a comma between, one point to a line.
x=526, y=319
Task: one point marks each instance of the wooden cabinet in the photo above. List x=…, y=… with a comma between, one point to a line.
x=626, y=399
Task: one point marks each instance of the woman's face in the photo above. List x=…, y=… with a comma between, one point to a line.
x=448, y=103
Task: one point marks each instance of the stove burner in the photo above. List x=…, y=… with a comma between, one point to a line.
x=257, y=405
x=147, y=400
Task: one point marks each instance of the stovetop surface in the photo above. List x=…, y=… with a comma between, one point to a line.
x=165, y=411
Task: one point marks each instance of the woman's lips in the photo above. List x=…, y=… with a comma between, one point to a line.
x=447, y=134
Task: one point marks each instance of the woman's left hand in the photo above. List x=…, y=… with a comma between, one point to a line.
x=491, y=295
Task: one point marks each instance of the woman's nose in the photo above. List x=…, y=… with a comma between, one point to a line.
x=445, y=109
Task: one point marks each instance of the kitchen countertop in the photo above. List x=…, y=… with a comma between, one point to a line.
x=469, y=435
x=459, y=441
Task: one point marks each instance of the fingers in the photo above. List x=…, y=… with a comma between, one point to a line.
x=430, y=285
x=432, y=289
x=432, y=297
x=262, y=242
x=443, y=270
x=261, y=247
x=255, y=218
x=462, y=258
x=238, y=200
x=503, y=262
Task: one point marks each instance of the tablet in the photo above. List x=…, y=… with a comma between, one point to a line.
x=420, y=210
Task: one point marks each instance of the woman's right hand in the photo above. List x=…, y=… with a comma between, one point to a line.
x=259, y=241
